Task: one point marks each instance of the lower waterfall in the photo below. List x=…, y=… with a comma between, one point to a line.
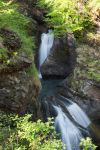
x=77, y=113
x=70, y=134
x=70, y=120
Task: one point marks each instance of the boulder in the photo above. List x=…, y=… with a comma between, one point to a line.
x=61, y=59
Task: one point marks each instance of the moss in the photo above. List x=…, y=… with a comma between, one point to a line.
x=3, y=55
x=93, y=71
x=11, y=19
x=88, y=63
x=32, y=71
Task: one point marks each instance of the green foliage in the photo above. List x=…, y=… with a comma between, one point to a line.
x=66, y=15
x=93, y=73
x=28, y=135
x=20, y=133
x=86, y=144
x=94, y=4
x=3, y=55
x=32, y=70
x=11, y=19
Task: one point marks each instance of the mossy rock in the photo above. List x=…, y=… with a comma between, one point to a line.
x=16, y=34
x=87, y=69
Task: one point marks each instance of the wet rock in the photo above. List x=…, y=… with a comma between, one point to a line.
x=37, y=15
x=62, y=57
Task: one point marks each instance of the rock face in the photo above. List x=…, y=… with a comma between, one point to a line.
x=62, y=57
x=84, y=84
x=29, y=8
x=19, y=88
x=18, y=93
x=11, y=39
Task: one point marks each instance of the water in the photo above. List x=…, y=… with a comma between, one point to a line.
x=49, y=86
x=70, y=120
x=77, y=113
x=45, y=47
x=70, y=134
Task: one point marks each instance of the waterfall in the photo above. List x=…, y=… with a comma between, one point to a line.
x=45, y=47
x=70, y=134
x=77, y=113
x=71, y=122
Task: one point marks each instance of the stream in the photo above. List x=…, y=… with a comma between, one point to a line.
x=71, y=122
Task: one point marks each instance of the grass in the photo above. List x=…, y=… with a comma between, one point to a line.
x=32, y=71
x=12, y=19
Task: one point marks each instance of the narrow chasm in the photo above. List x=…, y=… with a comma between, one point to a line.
x=49, y=75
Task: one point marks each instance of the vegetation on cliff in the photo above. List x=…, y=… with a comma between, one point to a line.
x=11, y=19
x=66, y=16
x=14, y=30
x=77, y=16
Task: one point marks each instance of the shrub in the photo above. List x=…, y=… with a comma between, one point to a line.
x=66, y=15
x=20, y=133
x=87, y=144
x=28, y=135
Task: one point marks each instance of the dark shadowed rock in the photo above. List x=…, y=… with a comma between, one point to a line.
x=84, y=84
x=28, y=8
x=62, y=57
x=18, y=93
x=18, y=89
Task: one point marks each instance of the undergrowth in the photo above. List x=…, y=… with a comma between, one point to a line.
x=65, y=15
x=20, y=133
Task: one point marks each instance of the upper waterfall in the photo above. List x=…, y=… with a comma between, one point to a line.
x=45, y=47
x=70, y=120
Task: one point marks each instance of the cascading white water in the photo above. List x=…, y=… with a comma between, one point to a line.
x=71, y=122
x=74, y=126
x=70, y=133
x=77, y=113
x=45, y=47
